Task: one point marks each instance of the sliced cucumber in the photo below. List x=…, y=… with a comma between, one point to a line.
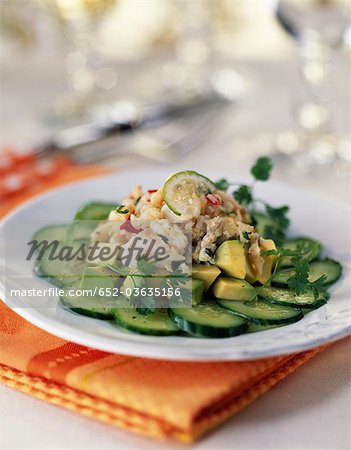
x=282, y=296
x=157, y=323
x=311, y=249
x=262, y=313
x=57, y=271
x=51, y=233
x=254, y=328
x=80, y=230
x=328, y=267
x=88, y=304
x=180, y=189
x=208, y=319
x=94, y=211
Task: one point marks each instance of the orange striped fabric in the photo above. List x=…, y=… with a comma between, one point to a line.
x=159, y=399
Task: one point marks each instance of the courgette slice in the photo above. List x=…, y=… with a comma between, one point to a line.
x=262, y=313
x=310, y=248
x=88, y=304
x=287, y=297
x=156, y=324
x=51, y=233
x=328, y=267
x=95, y=211
x=207, y=319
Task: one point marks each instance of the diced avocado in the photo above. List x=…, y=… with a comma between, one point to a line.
x=266, y=244
x=251, y=276
x=233, y=289
x=97, y=278
x=197, y=289
x=230, y=258
x=207, y=274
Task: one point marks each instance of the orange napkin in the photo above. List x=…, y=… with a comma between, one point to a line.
x=160, y=399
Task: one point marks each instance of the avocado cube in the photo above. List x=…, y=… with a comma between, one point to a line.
x=197, y=291
x=207, y=274
x=230, y=258
x=233, y=289
x=267, y=244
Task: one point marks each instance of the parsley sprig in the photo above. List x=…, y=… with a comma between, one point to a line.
x=277, y=222
x=299, y=282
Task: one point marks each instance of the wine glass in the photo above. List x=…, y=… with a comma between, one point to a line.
x=87, y=74
x=318, y=27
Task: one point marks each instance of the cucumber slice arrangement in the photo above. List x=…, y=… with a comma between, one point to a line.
x=282, y=296
x=157, y=323
x=227, y=299
x=95, y=211
x=309, y=247
x=52, y=233
x=56, y=271
x=261, y=313
x=208, y=320
x=88, y=305
x=328, y=267
x=180, y=189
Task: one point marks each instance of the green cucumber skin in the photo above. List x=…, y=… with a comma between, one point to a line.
x=52, y=280
x=88, y=312
x=43, y=233
x=314, y=305
x=254, y=328
x=85, y=211
x=316, y=249
x=208, y=331
x=143, y=331
x=258, y=321
x=282, y=276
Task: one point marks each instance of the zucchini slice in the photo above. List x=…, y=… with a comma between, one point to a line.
x=156, y=324
x=282, y=296
x=262, y=313
x=328, y=267
x=310, y=247
x=88, y=305
x=94, y=211
x=208, y=319
x=51, y=233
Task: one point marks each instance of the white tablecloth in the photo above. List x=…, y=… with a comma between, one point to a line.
x=311, y=410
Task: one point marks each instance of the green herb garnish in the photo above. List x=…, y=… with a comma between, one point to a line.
x=121, y=209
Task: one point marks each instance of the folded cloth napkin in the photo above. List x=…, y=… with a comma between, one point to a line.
x=159, y=399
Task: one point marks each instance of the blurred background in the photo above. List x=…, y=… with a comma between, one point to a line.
x=196, y=83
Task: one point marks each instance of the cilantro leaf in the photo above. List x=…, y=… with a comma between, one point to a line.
x=299, y=281
x=121, y=209
x=279, y=215
x=146, y=266
x=222, y=184
x=278, y=223
x=246, y=235
x=146, y=306
x=317, y=286
x=261, y=170
x=243, y=194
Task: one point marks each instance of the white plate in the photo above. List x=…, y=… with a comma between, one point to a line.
x=313, y=216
